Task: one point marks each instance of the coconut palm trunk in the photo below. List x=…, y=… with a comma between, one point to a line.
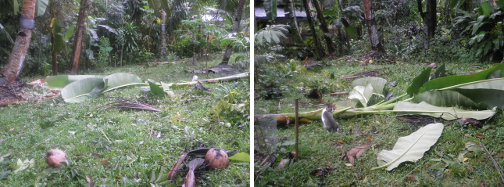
x=23, y=39
x=163, y=34
x=236, y=27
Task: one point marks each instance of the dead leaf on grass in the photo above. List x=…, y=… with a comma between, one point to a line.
x=479, y=135
x=356, y=152
x=412, y=179
x=322, y=171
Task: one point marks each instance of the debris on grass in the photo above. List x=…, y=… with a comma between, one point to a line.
x=322, y=171
x=369, y=73
x=493, y=161
x=123, y=104
x=356, y=152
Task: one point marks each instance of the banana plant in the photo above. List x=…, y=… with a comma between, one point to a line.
x=437, y=97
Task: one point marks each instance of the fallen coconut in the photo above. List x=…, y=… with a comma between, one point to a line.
x=217, y=158
x=55, y=156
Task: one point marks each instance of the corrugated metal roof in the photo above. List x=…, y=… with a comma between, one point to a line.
x=260, y=13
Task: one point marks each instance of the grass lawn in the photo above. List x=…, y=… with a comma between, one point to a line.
x=119, y=147
x=442, y=165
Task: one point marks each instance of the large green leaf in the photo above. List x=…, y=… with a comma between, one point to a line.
x=58, y=43
x=362, y=93
x=270, y=7
x=419, y=81
x=155, y=89
x=377, y=83
x=69, y=33
x=448, y=81
x=486, y=8
x=440, y=72
x=445, y=99
x=410, y=148
x=456, y=3
x=488, y=91
x=78, y=91
x=61, y=81
x=447, y=113
x=40, y=7
x=118, y=80
x=241, y=157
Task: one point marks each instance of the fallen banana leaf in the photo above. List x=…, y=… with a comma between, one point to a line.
x=362, y=93
x=445, y=82
x=118, y=80
x=78, y=91
x=411, y=147
x=77, y=88
x=61, y=81
x=377, y=83
x=447, y=113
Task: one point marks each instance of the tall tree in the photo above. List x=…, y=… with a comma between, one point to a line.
x=163, y=33
x=429, y=18
x=323, y=27
x=318, y=48
x=236, y=27
x=80, y=33
x=372, y=31
x=23, y=39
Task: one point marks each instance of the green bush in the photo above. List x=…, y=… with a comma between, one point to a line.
x=485, y=26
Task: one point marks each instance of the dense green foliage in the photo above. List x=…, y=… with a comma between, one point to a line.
x=132, y=28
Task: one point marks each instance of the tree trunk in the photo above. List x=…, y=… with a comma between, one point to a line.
x=81, y=29
x=54, y=62
x=323, y=26
x=373, y=33
x=200, y=52
x=163, y=34
x=293, y=20
x=429, y=18
x=23, y=39
x=236, y=27
x=53, y=40
x=318, y=48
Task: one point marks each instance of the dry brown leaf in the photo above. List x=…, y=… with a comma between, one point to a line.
x=479, y=135
x=412, y=179
x=357, y=152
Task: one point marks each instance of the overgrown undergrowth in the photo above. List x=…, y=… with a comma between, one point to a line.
x=441, y=165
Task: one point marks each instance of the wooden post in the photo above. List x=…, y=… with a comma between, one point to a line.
x=297, y=132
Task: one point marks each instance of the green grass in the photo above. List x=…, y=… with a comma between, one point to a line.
x=101, y=140
x=319, y=149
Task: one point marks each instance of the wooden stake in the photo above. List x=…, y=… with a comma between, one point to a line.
x=297, y=132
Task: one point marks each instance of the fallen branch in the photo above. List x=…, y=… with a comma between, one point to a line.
x=340, y=93
x=215, y=80
x=493, y=161
x=369, y=73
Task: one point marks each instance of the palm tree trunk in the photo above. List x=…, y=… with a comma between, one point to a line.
x=323, y=26
x=81, y=29
x=163, y=34
x=236, y=27
x=23, y=39
x=373, y=33
x=318, y=48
